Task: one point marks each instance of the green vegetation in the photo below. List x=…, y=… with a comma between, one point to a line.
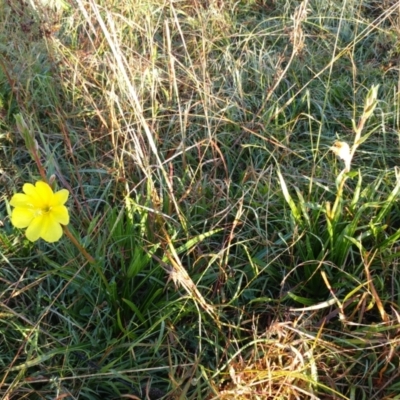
x=235, y=256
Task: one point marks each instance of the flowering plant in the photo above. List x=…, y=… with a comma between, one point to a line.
x=41, y=211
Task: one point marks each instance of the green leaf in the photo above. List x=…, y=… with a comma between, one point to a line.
x=135, y=309
x=293, y=207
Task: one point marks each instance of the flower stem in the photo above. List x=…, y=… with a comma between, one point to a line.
x=88, y=257
x=78, y=245
x=39, y=165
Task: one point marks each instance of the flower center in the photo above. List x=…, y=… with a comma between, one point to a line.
x=43, y=210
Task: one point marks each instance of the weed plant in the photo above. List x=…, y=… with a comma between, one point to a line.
x=235, y=256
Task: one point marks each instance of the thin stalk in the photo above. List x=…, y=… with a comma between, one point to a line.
x=78, y=245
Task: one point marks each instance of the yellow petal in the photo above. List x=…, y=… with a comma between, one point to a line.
x=33, y=197
x=44, y=191
x=60, y=197
x=51, y=229
x=44, y=227
x=60, y=214
x=19, y=200
x=29, y=189
x=34, y=230
x=21, y=217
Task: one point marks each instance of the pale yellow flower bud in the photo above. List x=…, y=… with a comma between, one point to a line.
x=342, y=151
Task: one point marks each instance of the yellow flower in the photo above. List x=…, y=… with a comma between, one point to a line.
x=41, y=211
